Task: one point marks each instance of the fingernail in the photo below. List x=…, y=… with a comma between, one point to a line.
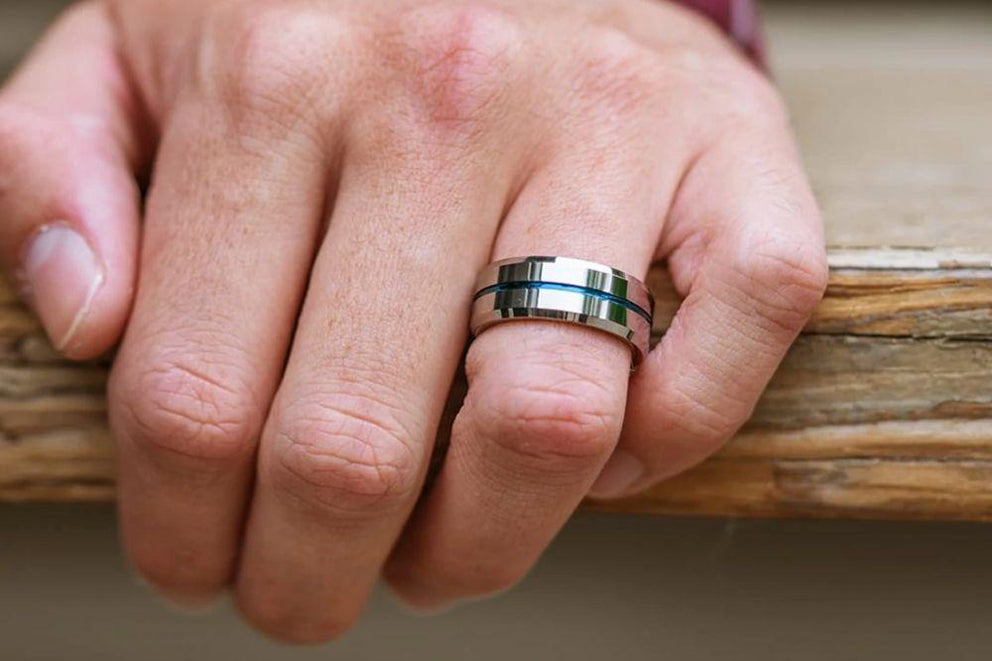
x=62, y=276
x=617, y=476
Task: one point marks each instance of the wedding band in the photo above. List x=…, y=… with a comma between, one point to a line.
x=565, y=289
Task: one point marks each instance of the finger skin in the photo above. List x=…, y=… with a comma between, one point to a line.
x=69, y=147
x=382, y=330
x=546, y=400
x=347, y=443
x=746, y=250
x=222, y=276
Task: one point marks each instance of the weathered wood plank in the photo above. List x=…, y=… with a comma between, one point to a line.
x=883, y=408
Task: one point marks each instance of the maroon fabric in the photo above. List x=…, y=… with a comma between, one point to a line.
x=740, y=20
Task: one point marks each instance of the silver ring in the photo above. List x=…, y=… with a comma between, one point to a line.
x=565, y=289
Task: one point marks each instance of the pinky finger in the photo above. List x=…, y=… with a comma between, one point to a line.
x=745, y=247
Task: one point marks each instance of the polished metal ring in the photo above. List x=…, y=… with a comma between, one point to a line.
x=565, y=289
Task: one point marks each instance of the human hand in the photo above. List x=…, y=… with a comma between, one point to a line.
x=327, y=178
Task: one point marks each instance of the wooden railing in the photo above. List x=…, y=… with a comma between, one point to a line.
x=883, y=407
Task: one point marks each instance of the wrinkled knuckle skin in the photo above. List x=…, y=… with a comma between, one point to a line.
x=787, y=279
x=346, y=454
x=181, y=409
x=458, y=59
x=551, y=418
x=264, y=61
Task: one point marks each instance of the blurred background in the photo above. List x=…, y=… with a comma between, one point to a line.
x=616, y=586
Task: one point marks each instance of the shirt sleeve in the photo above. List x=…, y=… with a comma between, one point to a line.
x=739, y=19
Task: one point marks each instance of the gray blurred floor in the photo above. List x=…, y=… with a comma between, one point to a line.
x=612, y=587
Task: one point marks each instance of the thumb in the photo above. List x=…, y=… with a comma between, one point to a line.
x=70, y=141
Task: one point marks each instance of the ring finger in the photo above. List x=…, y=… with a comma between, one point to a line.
x=378, y=341
x=545, y=400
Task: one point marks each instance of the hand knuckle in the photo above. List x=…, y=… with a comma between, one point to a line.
x=264, y=59
x=554, y=417
x=787, y=278
x=457, y=58
x=190, y=408
x=345, y=452
x=615, y=74
x=553, y=423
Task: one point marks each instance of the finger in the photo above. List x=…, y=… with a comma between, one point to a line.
x=545, y=400
x=746, y=250
x=380, y=336
x=71, y=137
x=233, y=213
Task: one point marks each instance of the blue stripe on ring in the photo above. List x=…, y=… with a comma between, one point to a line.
x=588, y=291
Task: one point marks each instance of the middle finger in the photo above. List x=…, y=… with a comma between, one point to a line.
x=379, y=338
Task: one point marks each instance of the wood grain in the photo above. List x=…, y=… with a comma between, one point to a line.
x=883, y=408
